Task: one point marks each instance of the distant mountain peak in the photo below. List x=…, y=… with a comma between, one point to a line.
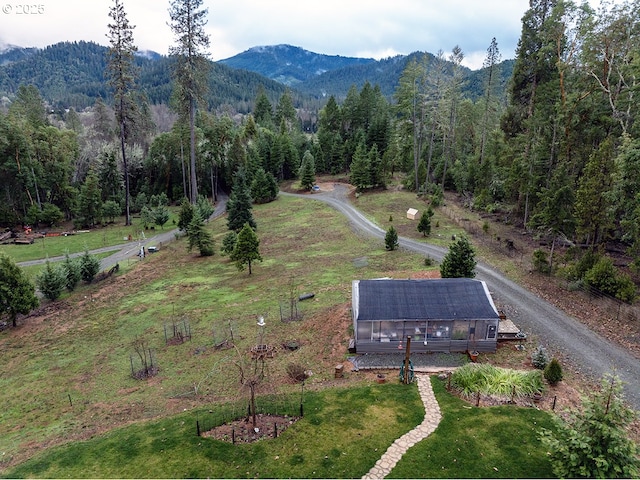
x=289, y=64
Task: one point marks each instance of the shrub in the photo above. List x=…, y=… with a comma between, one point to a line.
x=606, y=278
x=553, y=371
x=73, y=272
x=89, y=266
x=296, y=372
x=540, y=358
x=429, y=262
x=51, y=281
x=541, y=261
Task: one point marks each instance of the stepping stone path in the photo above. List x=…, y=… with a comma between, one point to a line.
x=398, y=448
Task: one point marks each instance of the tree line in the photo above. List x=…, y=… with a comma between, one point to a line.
x=557, y=155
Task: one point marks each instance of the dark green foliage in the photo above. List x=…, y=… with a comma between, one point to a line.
x=111, y=209
x=229, y=243
x=204, y=207
x=89, y=206
x=89, y=266
x=199, y=237
x=146, y=217
x=186, y=214
x=73, y=272
x=540, y=358
x=604, y=277
x=264, y=187
x=307, y=172
x=17, y=293
x=424, y=225
x=391, y=239
x=541, y=261
x=246, y=250
x=50, y=214
x=239, y=205
x=460, y=261
x=553, y=371
x=161, y=215
x=594, y=442
x=52, y=281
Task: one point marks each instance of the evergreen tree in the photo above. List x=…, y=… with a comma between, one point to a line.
x=17, y=293
x=391, y=239
x=204, y=207
x=73, y=272
x=307, y=171
x=553, y=371
x=51, y=281
x=122, y=74
x=246, y=250
x=239, y=205
x=199, y=237
x=360, y=169
x=161, y=216
x=262, y=111
x=89, y=266
x=264, y=187
x=229, y=243
x=191, y=68
x=424, y=225
x=594, y=441
x=459, y=262
x=186, y=214
x=89, y=208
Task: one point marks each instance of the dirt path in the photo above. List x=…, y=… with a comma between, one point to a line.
x=586, y=351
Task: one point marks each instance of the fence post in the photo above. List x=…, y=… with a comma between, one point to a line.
x=198, y=427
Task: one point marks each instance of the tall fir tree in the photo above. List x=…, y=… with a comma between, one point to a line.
x=122, y=74
x=191, y=69
x=246, y=250
x=239, y=205
x=307, y=171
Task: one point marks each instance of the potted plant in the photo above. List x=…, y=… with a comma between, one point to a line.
x=473, y=352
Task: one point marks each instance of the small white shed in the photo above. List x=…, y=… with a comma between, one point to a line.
x=412, y=213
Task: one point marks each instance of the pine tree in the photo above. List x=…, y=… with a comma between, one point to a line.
x=307, y=171
x=191, y=68
x=391, y=239
x=246, y=249
x=553, y=371
x=264, y=187
x=239, y=205
x=17, y=293
x=459, y=262
x=89, y=266
x=89, y=208
x=73, y=272
x=51, y=281
x=424, y=225
x=122, y=74
x=594, y=441
x=186, y=214
x=360, y=168
x=199, y=237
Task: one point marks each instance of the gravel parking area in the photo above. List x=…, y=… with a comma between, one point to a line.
x=420, y=361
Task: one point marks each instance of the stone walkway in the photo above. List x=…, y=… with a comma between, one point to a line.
x=398, y=448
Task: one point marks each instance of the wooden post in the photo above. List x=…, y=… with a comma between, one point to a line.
x=407, y=354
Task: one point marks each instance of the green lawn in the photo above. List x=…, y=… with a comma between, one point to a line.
x=343, y=433
x=67, y=378
x=100, y=237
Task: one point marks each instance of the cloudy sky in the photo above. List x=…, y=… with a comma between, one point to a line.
x=356, y=28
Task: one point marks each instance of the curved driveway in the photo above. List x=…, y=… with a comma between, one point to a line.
x=589, y=353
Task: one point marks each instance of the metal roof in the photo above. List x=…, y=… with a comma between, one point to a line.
x=422, y=299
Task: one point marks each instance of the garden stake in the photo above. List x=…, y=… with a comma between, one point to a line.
x=478, y=399
x=553, y=407
x=70, y=402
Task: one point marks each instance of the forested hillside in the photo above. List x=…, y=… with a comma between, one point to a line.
x=558, y=155
x=71, y=74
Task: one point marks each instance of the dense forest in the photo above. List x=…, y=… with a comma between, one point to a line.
x=557, y=152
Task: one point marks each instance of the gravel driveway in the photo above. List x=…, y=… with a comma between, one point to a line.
x=589, y=353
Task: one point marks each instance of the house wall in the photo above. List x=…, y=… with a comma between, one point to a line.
x=427, y=335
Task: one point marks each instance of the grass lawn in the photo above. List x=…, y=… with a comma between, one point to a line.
x=100, y=237
x=343, y=433
x=65, y=378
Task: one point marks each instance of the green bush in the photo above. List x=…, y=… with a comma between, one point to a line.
x=391, y=239
x=606, y=278
x=540, y=358
x=89, y=266
x=541, y=261
x=553, y=371
x=51, y=281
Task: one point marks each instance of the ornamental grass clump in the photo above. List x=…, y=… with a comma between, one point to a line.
x=489, y=380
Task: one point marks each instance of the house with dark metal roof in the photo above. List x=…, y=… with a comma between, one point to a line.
x=440, y=315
